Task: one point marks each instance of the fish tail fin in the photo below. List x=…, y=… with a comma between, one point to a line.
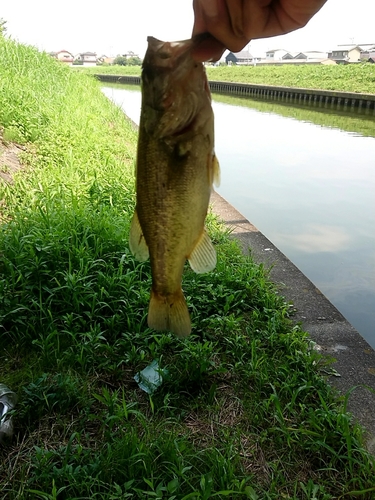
x=169, y=313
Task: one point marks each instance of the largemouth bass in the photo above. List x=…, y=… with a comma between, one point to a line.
x=176, y=167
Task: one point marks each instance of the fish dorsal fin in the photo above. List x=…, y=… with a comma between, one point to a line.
x=215, y=171
x=203, y=257
x=137, y=242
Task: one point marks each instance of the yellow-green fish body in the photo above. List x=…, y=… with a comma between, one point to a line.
x=176, y=168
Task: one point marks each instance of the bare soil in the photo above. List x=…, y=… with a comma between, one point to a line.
x=10, y=162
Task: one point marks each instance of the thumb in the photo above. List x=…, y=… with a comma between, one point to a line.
x=199, y=19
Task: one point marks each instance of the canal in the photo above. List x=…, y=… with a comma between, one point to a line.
x=306, y=179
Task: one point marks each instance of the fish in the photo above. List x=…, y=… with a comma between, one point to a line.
x=176, y=169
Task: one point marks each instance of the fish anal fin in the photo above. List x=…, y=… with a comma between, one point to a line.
x=169, y=313
x=137, y=242
x=203, y=257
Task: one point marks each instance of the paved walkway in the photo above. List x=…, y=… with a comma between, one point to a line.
x=355, y=359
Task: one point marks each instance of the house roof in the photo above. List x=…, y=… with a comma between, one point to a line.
x=360, y=45
x=63, y=50
x=347, y=47
x=276, y=50
x=315, y=54
x=87, y=53
x=294, y=53
x=243, y=54
x=295, y=62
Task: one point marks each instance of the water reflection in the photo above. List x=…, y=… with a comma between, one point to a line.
x=354, y=122
x=306, y=179
x=317, y=238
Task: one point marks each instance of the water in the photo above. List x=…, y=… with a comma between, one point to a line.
x=306, y=179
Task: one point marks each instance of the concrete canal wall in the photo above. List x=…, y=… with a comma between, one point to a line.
x=328, y=99
x=132, y=80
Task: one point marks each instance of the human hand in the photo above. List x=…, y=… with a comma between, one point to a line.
x=233, y=23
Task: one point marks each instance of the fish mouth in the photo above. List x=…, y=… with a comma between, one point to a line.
x=165, y=54
x=173, y=87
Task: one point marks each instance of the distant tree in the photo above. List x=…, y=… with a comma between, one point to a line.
x=121, y=61
x=3, y=28
x=134, y=61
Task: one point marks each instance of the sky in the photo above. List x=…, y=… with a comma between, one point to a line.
x=117, y=26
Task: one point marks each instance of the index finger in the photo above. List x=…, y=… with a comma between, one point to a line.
x=209, y=49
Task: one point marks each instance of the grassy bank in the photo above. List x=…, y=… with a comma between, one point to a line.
x=244, y=411
x=347, y=78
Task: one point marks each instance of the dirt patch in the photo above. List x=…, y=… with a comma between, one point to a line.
x=9, y=160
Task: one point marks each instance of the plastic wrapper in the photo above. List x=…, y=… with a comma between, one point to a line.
x=151, y=377
x=8, y=400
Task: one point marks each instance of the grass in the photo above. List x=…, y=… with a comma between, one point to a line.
x=244, y=411
x=346, y=78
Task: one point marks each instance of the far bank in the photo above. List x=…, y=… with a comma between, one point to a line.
x=328, y=99
x=340, y=78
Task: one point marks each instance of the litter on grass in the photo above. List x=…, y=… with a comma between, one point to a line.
x=151, y=377
x=8, y=400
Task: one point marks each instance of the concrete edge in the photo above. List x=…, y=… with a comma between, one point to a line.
x=333, y=334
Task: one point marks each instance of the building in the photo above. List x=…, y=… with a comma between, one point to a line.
x=244, y=57
x=368, y=53
x=343, y=54
x=63, y=56
x=312, y=54
x=296, y=62
x=105, y=59
x=277, y=55
x=366, y=46
x=293, y=55
x=86, y=58
x=280, y=56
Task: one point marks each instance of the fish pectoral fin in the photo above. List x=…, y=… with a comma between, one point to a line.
x=213, y=169
x=137, y=242
x=203, y=257
x=216, y=171
x=169, y=313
